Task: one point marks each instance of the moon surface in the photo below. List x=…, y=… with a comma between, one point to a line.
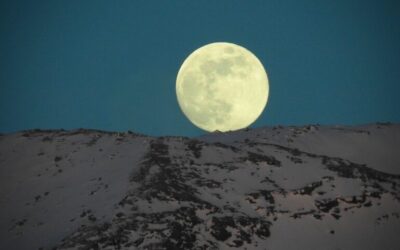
x=222, y=87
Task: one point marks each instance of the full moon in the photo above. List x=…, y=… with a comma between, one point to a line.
x=222, y=87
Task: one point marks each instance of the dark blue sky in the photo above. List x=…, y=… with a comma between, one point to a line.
x=112, y=64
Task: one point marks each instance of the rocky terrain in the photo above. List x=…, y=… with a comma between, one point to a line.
x=311, y=187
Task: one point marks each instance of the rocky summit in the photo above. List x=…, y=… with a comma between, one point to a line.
x=310, y=187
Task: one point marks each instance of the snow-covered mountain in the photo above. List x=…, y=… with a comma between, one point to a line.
x=311, y=187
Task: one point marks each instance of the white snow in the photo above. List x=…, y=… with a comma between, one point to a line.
x=59, y=185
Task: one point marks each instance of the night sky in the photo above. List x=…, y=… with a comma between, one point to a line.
x=112, y=65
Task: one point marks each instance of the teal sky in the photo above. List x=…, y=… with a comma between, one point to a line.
x=112, y=65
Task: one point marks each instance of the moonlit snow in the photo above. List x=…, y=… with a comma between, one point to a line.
x=311, y=187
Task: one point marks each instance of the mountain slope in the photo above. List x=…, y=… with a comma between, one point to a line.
x=247, y=189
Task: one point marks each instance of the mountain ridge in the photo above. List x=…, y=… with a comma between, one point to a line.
x=105, y=190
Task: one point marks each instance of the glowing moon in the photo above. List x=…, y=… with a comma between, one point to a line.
x=222, y=86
